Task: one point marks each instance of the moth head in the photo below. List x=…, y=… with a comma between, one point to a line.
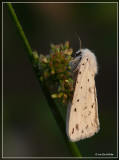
x=78, y=53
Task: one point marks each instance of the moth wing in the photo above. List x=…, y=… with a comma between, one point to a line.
x=82, y=115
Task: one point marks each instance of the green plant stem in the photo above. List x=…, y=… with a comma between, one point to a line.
x=57, y=115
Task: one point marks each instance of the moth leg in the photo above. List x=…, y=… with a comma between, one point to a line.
x=74, y=64
x=75, y=59
x=76, y=68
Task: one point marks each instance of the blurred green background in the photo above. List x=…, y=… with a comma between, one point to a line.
x=29, y=126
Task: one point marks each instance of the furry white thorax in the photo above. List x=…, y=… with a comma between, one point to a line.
x=86, y=53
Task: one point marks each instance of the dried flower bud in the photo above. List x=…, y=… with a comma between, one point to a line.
x=54, y=95
x=55, y=69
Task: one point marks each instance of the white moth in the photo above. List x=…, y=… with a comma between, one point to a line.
x=82, y=114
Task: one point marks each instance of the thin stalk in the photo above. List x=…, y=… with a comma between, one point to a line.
x=56, y=113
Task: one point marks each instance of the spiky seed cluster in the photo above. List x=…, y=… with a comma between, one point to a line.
x=55, y=71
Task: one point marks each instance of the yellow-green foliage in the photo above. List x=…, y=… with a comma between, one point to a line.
x=55, y=71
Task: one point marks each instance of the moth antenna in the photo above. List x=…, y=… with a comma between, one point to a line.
x=79, y=39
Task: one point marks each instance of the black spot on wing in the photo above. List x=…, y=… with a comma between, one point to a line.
x=77, y=100
x=72, y=130
x=75, y=109
x=84, y=108
x=79, y=72
x=89, y=113
x=92, y=105
x=86, y=126
x=77, y=126
x=82, y=131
